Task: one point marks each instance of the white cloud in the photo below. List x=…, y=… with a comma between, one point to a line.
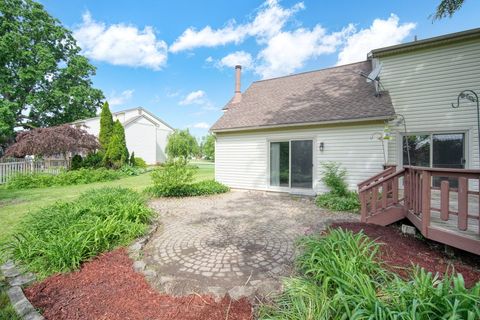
x=290, y=50
x=269, y=20
x=121, y=44
x=236, y=58
x=194, y=97
x=124, y=96
x=209, y=59
x=381, y=33
x=201, y=125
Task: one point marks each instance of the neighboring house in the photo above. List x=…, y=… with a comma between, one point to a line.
x=145, y=133
x=276, y=134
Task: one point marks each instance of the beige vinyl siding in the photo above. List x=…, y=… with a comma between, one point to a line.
x=242, y=159
x=423, y=84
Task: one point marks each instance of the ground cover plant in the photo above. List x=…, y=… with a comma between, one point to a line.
x=17, y=204
x=72, y=177
x=176, y=179
x=6, y=309
x=57, y=238
x=339, y=198
x=341, y=277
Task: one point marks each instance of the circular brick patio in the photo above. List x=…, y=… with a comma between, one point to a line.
x=241, y=242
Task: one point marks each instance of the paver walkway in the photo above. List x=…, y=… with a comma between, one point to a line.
x=241, y=242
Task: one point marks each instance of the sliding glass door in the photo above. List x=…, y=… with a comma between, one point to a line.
x=446, y=150
x=291, y=164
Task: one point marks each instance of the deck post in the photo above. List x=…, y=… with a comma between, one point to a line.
x=395, y=190
x=462, y=203
x=384, y=195
x=363, y=210
x=444, y=199
x=426, y=199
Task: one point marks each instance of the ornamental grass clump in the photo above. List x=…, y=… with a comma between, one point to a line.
x=341, y=277
x=58, y=238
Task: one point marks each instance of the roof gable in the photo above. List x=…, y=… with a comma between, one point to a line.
x=334, y=94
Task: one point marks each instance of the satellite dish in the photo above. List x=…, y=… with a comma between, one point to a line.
x=373, y=76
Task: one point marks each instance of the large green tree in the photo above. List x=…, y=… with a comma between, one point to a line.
x=208, y=147
x=181, y=144
x=447, y=8
x=116, y=154
x=106, y=126
x=44, y=81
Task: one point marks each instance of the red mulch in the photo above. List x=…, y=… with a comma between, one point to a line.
x=399, y=250
x=108, y=288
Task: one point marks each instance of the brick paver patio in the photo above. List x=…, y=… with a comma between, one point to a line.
x=241, y=242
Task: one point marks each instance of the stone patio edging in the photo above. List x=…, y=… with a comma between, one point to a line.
x=16, y=279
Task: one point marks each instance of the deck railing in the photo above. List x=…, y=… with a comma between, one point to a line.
x=442, y=203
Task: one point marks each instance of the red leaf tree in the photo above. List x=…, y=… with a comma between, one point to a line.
x=50, y=141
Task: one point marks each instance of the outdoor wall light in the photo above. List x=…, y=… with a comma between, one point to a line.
x=321, y=146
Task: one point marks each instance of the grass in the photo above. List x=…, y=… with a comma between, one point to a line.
x=6, y=309
x=16, y=204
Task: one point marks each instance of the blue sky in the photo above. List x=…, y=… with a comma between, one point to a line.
x=176, y=58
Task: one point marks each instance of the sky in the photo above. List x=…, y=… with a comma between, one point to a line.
x=177, y=58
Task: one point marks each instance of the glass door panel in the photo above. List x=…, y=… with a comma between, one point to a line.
x=279, y=164
x=301, y=163
x=419, y=149
x=448, y=152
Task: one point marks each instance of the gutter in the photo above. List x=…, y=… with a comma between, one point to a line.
x=302, y=124
x=426, y=43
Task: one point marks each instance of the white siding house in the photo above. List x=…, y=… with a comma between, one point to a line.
x=242, y=160
x=423, y=84
x=146, y=134
x=337, y=116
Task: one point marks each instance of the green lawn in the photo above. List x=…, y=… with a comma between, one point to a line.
x=15, y=204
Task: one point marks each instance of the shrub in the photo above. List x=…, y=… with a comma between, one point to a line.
x=175, y=179
x=80, y=176
x=93, y=160
x=339, y=198
x=128, y=170
x=172, y=178
x=334, y=178
x=77, y=162
x=59, y=237
x=202, y=188
x=139, y=163
x=350, y=202
x=341, y=278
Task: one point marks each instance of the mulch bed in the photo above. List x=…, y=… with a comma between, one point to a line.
x=108, y=288
x=399, y=250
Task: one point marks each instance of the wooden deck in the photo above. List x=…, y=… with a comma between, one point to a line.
x=441, y=213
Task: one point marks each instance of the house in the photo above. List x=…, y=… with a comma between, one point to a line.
x=146, y=134
x=276, y=134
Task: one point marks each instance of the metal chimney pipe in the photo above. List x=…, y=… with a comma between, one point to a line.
x=238, y=93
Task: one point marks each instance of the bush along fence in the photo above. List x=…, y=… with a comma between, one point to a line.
x=9, y=169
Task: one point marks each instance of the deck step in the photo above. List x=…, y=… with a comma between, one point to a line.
x=388, y=216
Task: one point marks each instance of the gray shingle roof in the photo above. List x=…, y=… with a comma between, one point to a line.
x=333, y=94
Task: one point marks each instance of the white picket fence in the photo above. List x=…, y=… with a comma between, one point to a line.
x=10, y=168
